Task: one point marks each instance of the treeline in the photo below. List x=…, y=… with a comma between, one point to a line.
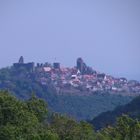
x=30, y=120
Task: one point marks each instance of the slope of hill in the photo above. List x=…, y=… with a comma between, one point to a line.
x=109, y=117
x=31, y=120
x=81, y=106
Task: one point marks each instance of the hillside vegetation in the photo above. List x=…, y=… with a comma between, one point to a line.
x=29, y=120
x=107, y=118
x=22, y=83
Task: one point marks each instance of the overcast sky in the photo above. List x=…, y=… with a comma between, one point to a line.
x=105, y=33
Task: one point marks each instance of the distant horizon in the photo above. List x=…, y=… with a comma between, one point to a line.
x=106, y=34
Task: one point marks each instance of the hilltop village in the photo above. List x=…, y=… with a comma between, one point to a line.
x=78, y=79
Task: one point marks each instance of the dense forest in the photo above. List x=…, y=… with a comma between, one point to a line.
x=107, y=118
x=31, y=120
x=21, y=83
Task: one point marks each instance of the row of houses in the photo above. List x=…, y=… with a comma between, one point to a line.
x=72, y=77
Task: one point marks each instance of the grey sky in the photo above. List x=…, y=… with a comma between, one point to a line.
x=105, y=33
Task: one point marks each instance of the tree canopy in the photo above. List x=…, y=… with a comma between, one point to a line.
x=29, y=120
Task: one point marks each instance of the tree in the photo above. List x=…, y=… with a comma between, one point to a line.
x=38, y=107
x=23, y=120
x=128, y=128
x=68, y=129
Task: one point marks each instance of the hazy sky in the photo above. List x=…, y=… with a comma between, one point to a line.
x=105, y=33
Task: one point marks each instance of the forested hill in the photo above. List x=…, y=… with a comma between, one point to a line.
x=107, y=118
x=22, y=83
x=29, y=120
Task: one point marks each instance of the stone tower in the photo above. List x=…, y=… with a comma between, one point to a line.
x=21, y=60
x=80, y=64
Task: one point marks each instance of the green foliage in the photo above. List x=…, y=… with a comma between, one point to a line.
x=86, y=107
x=27, y=120
x=107, y=134
x=125, y=129
x=38, y=107
x=109, y=117
x=68, y=129
x=130, y=128
x=86, y=131
x=22, y=120
x=22, y=83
